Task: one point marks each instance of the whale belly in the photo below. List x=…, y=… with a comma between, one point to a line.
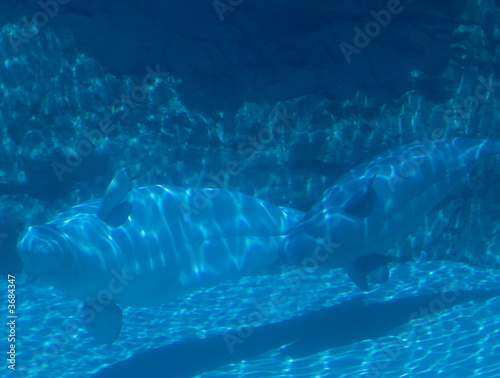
x=202, y=265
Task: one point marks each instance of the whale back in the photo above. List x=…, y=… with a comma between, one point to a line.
x=410, y=170
x=374, y=205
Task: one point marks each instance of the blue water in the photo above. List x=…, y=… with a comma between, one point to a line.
x=287, y=96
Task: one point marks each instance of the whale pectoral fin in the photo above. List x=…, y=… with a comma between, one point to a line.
x=363, y=202
x=113, y=211
x=371, y=268
x=357, y=277
x=115, y=193
x=105, y=325
x=379, y=275
x=119, y=214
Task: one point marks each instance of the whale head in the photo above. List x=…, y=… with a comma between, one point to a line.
x=46, y=253
x=67, y=252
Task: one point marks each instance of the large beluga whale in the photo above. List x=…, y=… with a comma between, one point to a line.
x=146, y=246
x=376, y=204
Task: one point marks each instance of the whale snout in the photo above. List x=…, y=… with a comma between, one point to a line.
x=44, y=252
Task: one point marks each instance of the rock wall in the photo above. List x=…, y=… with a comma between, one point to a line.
x=291, y=93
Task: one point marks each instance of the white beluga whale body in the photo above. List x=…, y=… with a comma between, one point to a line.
x=146, y=246
x=376, y=204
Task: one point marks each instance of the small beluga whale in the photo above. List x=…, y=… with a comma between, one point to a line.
x=376, y=204
x=147, y=246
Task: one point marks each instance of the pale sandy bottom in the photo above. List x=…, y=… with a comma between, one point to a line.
x=461, y=338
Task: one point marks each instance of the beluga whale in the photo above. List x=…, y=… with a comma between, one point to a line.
x=147, y=246
x=376, y=204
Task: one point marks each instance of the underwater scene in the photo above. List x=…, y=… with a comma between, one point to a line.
x=236, y=188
